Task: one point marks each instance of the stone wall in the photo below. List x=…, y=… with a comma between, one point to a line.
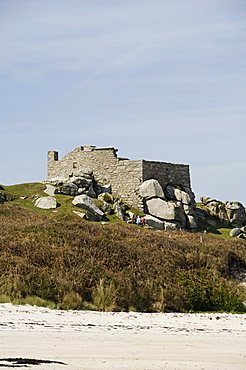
x=101, y=161
x=127, y=179
x=167, y=173
x=124, y=175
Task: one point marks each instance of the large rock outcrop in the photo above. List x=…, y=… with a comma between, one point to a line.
x=174, y=206
x=80, y=183
x=235, y=213
x=230, y=214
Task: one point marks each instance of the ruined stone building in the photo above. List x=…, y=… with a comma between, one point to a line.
x=124, y=175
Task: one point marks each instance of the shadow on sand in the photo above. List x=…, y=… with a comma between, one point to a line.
x=25, y=362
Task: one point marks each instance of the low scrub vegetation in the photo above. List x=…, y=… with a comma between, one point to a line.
x=62, y=261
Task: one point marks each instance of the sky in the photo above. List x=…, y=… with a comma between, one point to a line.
x=159, y=80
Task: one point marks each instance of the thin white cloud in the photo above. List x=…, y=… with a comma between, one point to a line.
x=50, y=45
x=170, y=72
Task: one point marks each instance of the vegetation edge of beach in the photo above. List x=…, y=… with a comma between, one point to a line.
x=60, y=261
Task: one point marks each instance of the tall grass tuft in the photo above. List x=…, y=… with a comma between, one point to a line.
x=71, y=301
x=104, y=296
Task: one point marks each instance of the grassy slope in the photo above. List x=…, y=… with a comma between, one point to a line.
x=33, y=190
x=75, y=264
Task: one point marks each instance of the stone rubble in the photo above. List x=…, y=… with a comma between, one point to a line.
x=238, y=232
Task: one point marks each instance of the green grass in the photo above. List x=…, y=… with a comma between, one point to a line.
x=224, y=232
x=30, y=192
x=65, y=207
x=219, y=231
x=34, y=190
x=28, y=189
x=31, y=300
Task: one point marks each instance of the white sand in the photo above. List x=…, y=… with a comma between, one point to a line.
x=94, y=340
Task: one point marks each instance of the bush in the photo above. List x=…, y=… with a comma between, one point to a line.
x=77, y=264
x=202, y=290
x=71, y=301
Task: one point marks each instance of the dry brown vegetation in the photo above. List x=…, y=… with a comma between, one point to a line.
x=77, y=264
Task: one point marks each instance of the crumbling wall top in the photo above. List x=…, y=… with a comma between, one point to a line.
x=91, y=148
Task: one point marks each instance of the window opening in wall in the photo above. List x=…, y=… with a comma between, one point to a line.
x=74, y=164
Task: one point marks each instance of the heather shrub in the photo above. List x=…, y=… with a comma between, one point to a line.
x=77, y=264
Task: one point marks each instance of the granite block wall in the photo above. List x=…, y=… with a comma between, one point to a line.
x=167, y=173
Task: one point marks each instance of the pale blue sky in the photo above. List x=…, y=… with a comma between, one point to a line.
x=162, y=80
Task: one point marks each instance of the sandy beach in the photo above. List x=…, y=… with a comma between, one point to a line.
x=39, y=338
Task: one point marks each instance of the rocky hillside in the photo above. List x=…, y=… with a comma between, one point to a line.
x=171, y=208
x=54, y=257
